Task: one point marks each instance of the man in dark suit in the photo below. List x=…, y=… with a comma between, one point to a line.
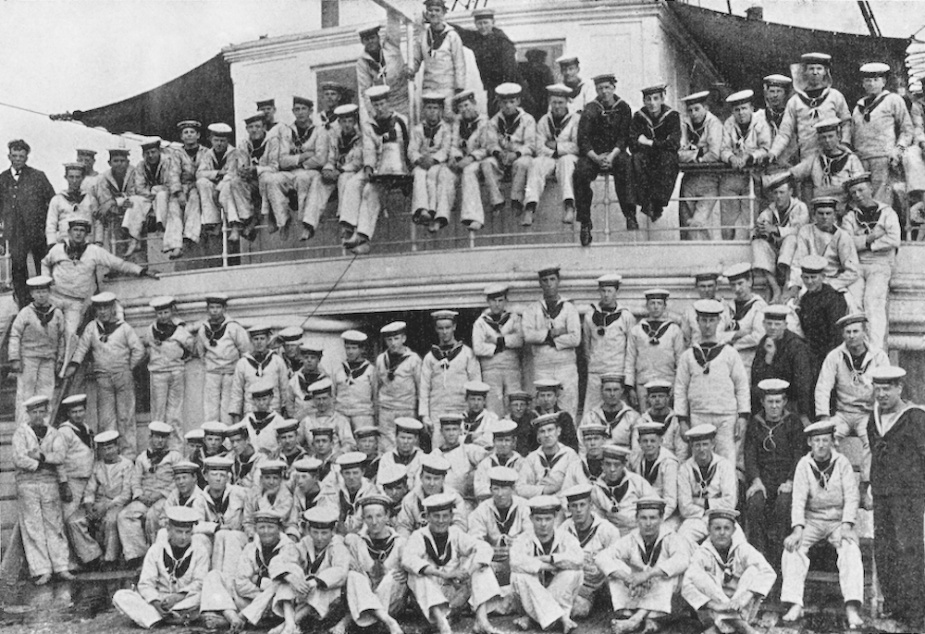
x=24, y=196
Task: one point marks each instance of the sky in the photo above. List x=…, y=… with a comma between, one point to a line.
x=60, y=55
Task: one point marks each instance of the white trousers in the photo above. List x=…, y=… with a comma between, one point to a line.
x=491, y=171
x=216, y=397
x=168, y=389
x=854, y=424
x=430, y=592
x=471, y=204
x=306, y=184
x=542, y=168
x=795, y=566
x=873, y=287
x=502, y=373
x=350, y=187
x=167, y=212
x=548, y=604
x=656, y=598
x=362, y=600
x=434, y=190
x=36, y=378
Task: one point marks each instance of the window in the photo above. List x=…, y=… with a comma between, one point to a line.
x=330, y=13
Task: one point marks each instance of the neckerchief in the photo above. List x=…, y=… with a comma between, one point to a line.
x=556, y=127
x=654, y=330
x=177, y=563
x=727, y=563
x=576, y=89
x=192, y=153
x=655, y=124
x=256, y=152
x=105, y=330
x=184, y=501
x=614, y=492
x=218, y=506
x=325, y=469
x=403, y=460
x=74, y=251
x=155, y=457
x=444, y=357
x=430, y=132
x=549, y=463
x=704, y=357
x=439, y=549
x=40, y=432
x=392, y=361
x=741, y=134
x=379, y=549
x=832, y=165
x=314, y=565
x=75, y=198
x=344, y=145
x=506, y=523
x=867, y=217
x=355, y=369
x=695, y=132
x=348, y=503
x=377, y=66
x=305, y=380
x=435, y=38
x=741, y=310
x=781, y=217
x=602, y=317
x=81, y=432
x=867, y=105
x=552, y=308
x=768, y=429
x=507, y=126
x=649, y=553
x=773, y=117
x=649, y=470
x=264, y=555
x=214, y=334
x=309, y=501
x=593, y=467
x=612, y=419
x=586, y=535
x=541, y=549
x=300, y=138
x=703, y=481
x=259, y=420
x=220, y=160
x=163, y=332
x=496, y=323
x=466, y=128
x=261, y=365
x=856, y=365
x=151, y=173
x=822, y=471
x=813, y=103
x=44, y=313
x=510, y=462
x=240, y=470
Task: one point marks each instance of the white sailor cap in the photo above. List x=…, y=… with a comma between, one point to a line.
x=106, y=437
x=434, y=98
x=181, y=516
x=498, y=289
x=658, y=385
x=290, y=334
x=74, y=399
x=559, y=90
x=816, y=58
x=377, y=93
x=610, y=279
x=741, y=97
x=434, y=464
x=392, y=474
x=101, y=299
x=39, y=281
x=351, y=460
x=159, y=428
x=695, y=98
x=439, y=502
x=508, y=90
x=773, y=386
x=36, y=401
x=437, y=315
x=813, y=264
x=887, y=374
x=503, y=428
x=194, y=436
x=875, y=69
x=819, y=428
x=544, y=505
x=567, y=60
x=479, y=388
x=217, y=463
x=578, y=492
x=220, y=129
x=354, y=336
x=502, y=476
x=657, y=293
x=777, y=312
x=708, y=307
x=700, y=432
x=394, y=328
x=162, y=302
x=346, y=110
x=738, y=270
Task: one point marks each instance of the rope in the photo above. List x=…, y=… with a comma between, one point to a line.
x=129, y=135
x=330, y=290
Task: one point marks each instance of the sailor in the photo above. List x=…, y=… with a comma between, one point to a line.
x=322, y=446
x=594, y=535
x=434, y=190
x=502, y=455
x=876, y=231
x=706, y=285
x=306, y=494
x=845, y=391
x=247, y=593
x=412, y=516
x=581, y=91
x=286, y=342
x=545, y=468
x=38, y=453
x=520, y=412
x=406, y=452
x=169, y=346
x=774, y=443
x=511, y=141
x=619, y=419
x=773, y=239
x=822, y=304
x=138, y=522
x=194, y=440
x=113, y=190
x=896, y=430
x=326, y=417
x=463, y=457
x=552, y=326
x=712, y=385
x=36, y=344
x=368, y=443
x=268, y=495
x=220, y=341
x=158, y=195
x=377, y=585
x=312, y=586
x=75, y=473
x=494, y=52
x=653, y=348
x=259, y=161
x=343, y=170
x=615, y=491
x=747, y=308
x=170, y=586
x=439, y=50
x=825, y=506
x=703, y=133
x=590, y=465
x=497, y=341
x=658, y=394
x=546, y=568
x=355, y=382
x=382, y=63
x=444, y=372
x=245, y=457
x=813, y=100
x=300, y=403
x=644, y=569
x=448, y=568
x=746, y=141
x=727, y=577
x=289, y=450
x=882, y=132
x=263, y=423
x=824, y=171
x=499, y=519
x=655, y=138
x=395, y=486
x=262, y=366
x=605, y=330
x=603, y=141
x=705, y=481
x=659, y=467
x=556, y=153
x=212, y=443
x=385, y=148
x=783, y=354
x=776, y=90
x=69, y=204
x=303, y=151
x=469, y=150
x=398, y=370
x=189, y=156
x=185, y=490
x=349, y=486
x=218, y=188
x=108, y=491
x=221, y=507
x=547, y=402
x=478, y=422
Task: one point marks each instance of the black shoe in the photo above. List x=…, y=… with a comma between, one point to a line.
x=585, y=235
x=631, y=223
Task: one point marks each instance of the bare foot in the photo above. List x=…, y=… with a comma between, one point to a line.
x=41, y=581
x=854, y=619
x=394, y=627
x=569, y=216
x=651, y=626
x=795, y=613
x=622, y=626
x=522, y=623
x=340, y=628
x=567, y=624
x=65, y=575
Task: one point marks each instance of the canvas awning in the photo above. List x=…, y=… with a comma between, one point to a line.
x=205, y=94
x=744, y=50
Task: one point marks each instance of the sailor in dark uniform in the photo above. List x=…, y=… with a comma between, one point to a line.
x=655, y=137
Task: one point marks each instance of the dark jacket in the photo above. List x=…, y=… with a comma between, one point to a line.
x=898, y=459
x=495, y=56
x=792, y=363
x=818, y=313
x=24, y=204
x=773, y=460
x=602, y=129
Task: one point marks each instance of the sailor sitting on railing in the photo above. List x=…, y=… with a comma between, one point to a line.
x=746, y=140
x=703, y=143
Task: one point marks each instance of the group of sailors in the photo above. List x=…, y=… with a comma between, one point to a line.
x=338, y=491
